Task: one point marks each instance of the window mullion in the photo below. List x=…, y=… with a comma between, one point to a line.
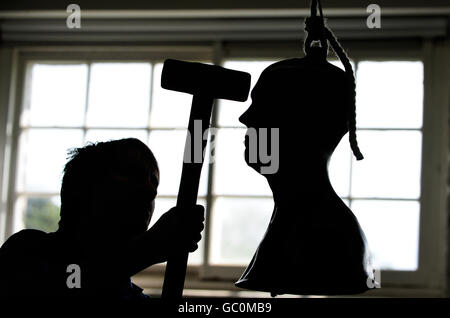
x=150, y=106
x=217, y=60
x=86, y=102
x=350, y=197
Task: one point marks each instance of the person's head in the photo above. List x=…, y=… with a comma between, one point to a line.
x=308, y=100
x=108, y=188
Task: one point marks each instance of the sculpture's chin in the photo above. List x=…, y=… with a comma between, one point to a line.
x=254, y=165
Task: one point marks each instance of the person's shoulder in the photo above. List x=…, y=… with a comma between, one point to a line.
x=27, y=234
x=24, y=264
x=22, y=239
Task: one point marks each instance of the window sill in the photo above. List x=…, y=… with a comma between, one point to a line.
x=152, y=280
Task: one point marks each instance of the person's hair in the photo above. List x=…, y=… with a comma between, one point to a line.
x=94, y=164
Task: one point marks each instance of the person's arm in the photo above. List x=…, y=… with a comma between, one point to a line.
x=175, y=232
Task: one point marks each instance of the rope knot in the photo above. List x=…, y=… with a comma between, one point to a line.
x=315, y=27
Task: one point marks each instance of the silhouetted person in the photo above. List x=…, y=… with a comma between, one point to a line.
x=314, y=244
x=107, y=201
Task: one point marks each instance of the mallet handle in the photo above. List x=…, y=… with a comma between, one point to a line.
x=187, y=193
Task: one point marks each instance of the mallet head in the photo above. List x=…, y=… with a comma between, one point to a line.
x=204, y=79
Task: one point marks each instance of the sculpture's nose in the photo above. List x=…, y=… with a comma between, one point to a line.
x=244, y=117
x=252, y=116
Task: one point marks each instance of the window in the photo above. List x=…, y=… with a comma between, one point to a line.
x=67, y=104
x=383, y=190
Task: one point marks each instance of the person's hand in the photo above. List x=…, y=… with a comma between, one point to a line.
x=178, y=230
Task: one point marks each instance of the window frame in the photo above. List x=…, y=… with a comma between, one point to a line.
x=433, y=219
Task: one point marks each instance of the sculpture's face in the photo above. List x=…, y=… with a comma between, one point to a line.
x=245, y=119
x=261, y=141
x=303, y=104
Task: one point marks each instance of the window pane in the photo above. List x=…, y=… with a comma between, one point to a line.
x=392, y=230
x=339, y=168
x=391, y=165
x=168, y=148
x=57, y=96
x=40, y=213
x=162, y=205
x=238, y=225
x=169, y=108
x=232, y=175
x=119, y=95
x=390, y=94
x=230, y=111
x=96, y=135
x=339, y=64
x=43, y=154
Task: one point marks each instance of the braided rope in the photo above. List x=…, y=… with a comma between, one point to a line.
x=342, y=55
x=316, y=30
